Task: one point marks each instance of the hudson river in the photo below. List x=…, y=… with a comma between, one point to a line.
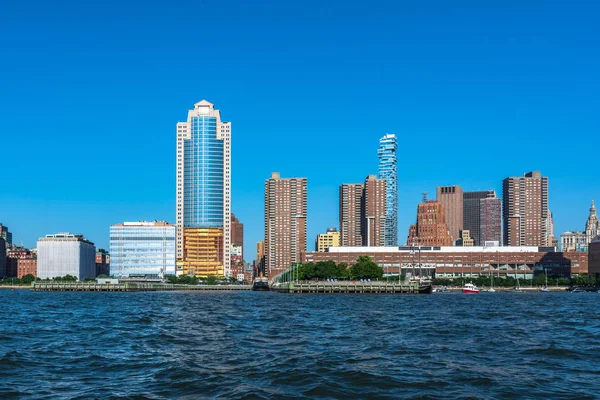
x=270, y=345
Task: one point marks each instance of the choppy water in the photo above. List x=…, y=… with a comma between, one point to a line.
x=270, y=345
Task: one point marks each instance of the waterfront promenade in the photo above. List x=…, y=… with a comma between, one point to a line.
x=129, y=287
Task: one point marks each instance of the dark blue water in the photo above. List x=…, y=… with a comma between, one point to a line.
x=270, y=345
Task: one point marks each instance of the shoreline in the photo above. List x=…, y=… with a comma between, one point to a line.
x=15, y=287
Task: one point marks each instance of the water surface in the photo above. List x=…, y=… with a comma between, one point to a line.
x=272, y=345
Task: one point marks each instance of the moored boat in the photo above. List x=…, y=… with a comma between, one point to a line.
x=470, y=288
x=261, y=285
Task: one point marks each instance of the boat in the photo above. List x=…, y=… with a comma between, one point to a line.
x=491, y=289
x=425, y=289
x=545, y=288
x=577, y=290
x=261, y=285
x=470, y=288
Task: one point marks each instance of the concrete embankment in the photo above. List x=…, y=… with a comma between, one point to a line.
x=129, y=287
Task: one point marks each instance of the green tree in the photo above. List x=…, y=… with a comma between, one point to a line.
x=365, y=268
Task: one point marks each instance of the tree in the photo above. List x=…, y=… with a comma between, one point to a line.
x=365, y=268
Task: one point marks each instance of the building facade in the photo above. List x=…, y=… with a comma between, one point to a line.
x=351, y=214
x=204, y=193
x=579, y=241
x=431, y=228
x=375, y=232
x=465, y=239
x=482, y=216
x=66, y=254
x=237, y=234
x=142, y=249
x=525, y=210
x=388, y=170
x=451, y=197
x=26, y=266
x=6, y=235
x=594, y=257
x=326, y=240
x=285, y=222
x=102, y=262
x=2, y=258
x=454, y=261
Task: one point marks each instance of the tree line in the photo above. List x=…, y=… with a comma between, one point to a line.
x=510, y=281
x=364, y=268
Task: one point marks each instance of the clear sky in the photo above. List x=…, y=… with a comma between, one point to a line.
x=90, y=92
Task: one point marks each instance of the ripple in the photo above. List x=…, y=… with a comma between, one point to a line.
x=267, y=345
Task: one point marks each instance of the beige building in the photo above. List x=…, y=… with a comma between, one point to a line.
x=451, y=197
x=285, y=222
x=326, y=240
x=525, y=210
x=465, y=239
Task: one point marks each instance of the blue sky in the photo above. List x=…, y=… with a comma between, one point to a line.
x=90, y=93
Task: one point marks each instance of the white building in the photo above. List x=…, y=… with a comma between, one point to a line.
x=142, y=248
x=66, y=254
x=579, y=241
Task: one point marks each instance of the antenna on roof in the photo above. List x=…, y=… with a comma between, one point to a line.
x=425, y=197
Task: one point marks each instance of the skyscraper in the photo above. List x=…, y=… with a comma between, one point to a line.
x=431, y=228
x=482, y=216
x=6, y=235
x=525, y=210
x=363, y=214
x=592, y=225
x=451, y=198
x=285, y=223
x=204, y=193
x=388, y=170
x=376, y=216
x=351, y=214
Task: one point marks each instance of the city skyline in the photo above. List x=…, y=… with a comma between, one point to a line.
x=475, y=85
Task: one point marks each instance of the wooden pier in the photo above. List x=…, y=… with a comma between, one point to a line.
x=41, y=286
x=346, y=288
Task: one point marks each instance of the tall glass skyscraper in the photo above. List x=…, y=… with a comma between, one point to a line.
x=203, y=193
x=388, y=170
x=142, y=248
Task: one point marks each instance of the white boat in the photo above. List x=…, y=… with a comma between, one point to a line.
x=470, y=288
x=545, y=288
x=492, y=290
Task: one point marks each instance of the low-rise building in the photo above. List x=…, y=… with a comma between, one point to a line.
x=142, y=249
x=26, y=266
x=456, y=261
x=326, y=240
x=66, y=254
x=102, y=262
x=594, y=257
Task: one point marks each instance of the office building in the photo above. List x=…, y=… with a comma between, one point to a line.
x=431, y=228
x=6, y=235
x=525, y=210
x=326, y=240
x=351, y=214
x=102, y=262
x=579, y=241
x=451, y=197
x=482, y=216
x=66, y=254
x=388, y=170
x=285, y=222
x=142, y=249
x=592, y=225
x=204, y=193
x=465, y=239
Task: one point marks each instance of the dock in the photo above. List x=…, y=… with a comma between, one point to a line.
x=346, y=288
x=41, y=286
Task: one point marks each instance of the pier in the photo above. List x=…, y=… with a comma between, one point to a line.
x=41, y=286
x=346, y=288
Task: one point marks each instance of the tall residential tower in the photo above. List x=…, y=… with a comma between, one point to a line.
x=204, y=193
x=388, y=170
x=285, y=223
x=525, y=210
